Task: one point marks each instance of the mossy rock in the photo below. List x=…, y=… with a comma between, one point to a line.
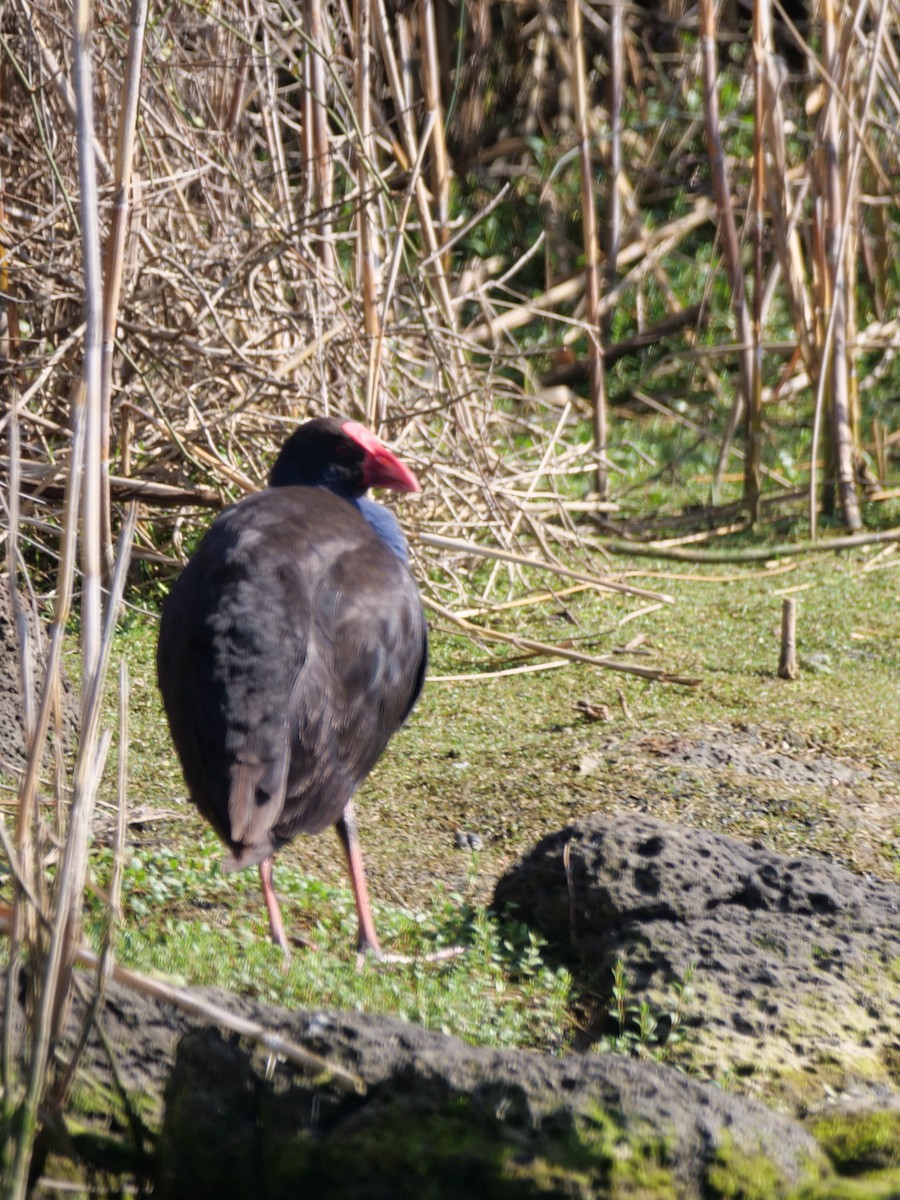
x=496, y=1125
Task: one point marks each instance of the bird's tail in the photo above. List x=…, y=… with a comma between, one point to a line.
x=242, y=857
x=255, y=801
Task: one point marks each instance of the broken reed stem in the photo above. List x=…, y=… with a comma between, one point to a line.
x=268, y=1039
x=752, y=554
x=787, y=664
x=596, y=378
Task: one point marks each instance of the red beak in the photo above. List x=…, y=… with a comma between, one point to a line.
x=381, y=468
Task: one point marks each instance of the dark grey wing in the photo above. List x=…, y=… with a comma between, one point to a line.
x=364, y=671
x=291, y=648
x=232, y=644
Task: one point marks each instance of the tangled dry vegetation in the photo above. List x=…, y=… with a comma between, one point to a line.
x=292, y=233
x=247, y=295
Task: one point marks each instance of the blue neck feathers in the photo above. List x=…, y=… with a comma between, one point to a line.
x=385, y=525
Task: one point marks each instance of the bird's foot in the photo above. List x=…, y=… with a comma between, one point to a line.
x=381, y=956
x=304, y=943
x=367, y=947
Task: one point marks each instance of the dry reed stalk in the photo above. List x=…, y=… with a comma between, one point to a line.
x=835, y=219
x=754, y=553
x=845, y=433
x=596, y=373
x=115, y=255
x=320, y=141
x=267, y=84
x=369, y=251
x=105, y=960
x=479, y=632
x=728, y=232
x=762, y=20
x=54, y=990
x=23, y=875
x=524, y=560
x=91, y=411
x=431, y=89
x=615, y=90
x=785, y=212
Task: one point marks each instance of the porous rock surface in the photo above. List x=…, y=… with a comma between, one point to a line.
x=792, y=960
x=438, y=1118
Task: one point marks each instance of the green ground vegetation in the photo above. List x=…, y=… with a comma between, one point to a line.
x=507, y=759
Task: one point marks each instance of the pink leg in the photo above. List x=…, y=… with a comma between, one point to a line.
x=275, y=923
x=346, y=831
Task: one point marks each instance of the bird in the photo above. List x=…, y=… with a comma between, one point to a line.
x=291, y=648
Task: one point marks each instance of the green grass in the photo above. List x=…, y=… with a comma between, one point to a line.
x=188, y=921
x=510, y=759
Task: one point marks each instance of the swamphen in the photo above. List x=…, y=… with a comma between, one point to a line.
x=291, y=648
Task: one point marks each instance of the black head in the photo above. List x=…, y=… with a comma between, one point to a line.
x=342, y=456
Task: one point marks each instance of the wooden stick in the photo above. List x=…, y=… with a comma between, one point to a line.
x=787, y=664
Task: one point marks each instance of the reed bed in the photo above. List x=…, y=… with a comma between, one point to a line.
x=278, y=244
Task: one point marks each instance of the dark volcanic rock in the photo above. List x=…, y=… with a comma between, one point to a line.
x=438, y=1119
x=444, y=1119
x=795, y=959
